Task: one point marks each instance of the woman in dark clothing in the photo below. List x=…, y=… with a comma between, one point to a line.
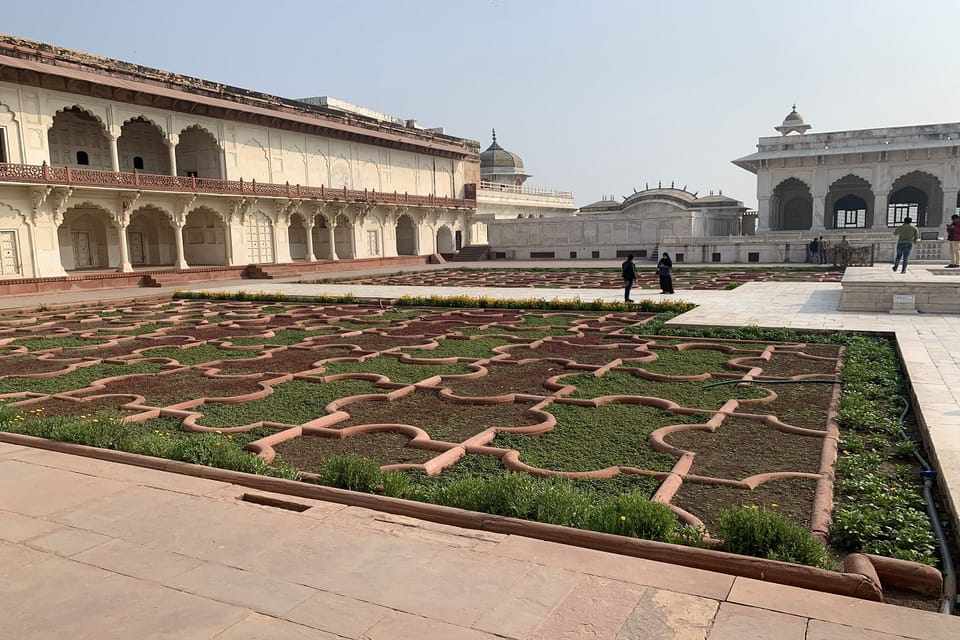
x=665, y=271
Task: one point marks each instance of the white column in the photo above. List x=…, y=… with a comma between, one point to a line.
x=171, y=143
x=879, y=210
x=309, y=227
x=763, y=215
x=818, y=212
x=178, y=240
x=333, y=240
x=949, y=206
x=114, y=153
x=125, y=266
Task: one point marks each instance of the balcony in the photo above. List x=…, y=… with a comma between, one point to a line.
x=69, y=176
x=529, y=191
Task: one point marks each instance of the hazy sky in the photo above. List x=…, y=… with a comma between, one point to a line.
x=597, y=97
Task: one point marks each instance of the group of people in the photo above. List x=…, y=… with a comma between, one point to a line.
x=817, y=250
x=664, y=272
x=907, y=235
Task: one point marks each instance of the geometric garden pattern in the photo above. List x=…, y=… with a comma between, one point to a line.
x=583, y=395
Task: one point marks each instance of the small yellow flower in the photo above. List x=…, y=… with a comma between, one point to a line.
x=94, y=420
x=623, y=518
x=774, y=505
x=217, y=431
x=229, y=436
x=217, y=444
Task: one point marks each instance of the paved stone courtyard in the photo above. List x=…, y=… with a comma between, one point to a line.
x=120, y=552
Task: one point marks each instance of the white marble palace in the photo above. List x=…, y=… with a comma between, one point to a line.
x=107, y=165
x=858, y=183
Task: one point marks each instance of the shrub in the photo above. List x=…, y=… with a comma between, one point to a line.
x=766, y=534
x=635, y=515
x=355, y=473
x=395, y=484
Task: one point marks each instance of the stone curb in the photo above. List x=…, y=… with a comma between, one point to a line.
x=855, y=584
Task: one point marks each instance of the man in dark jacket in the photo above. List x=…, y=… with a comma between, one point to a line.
x=629, y=275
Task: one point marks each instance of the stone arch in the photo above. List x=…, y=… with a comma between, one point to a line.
x=297, y=236
x=75, y=130
x=199, y=153
x=86, y=238
x=12, y=238
x=445, y=240
x=321, y=236
x=406, y=236
x=144, y=139
x=917, y=195
x=791, y=206
x=150, y=237
x=849, y=203
x=259, y=236
x=343, y=237
x=205, y=237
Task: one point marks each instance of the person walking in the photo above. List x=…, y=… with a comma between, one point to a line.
x=629, y=270
x=953, y=237
x=906, y=234
x=813, y=251
x=665, y=271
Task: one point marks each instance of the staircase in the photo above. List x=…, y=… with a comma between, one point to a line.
x=473, y=253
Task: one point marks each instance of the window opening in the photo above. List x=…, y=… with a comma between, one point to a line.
x=138, y=163
x=82, y=157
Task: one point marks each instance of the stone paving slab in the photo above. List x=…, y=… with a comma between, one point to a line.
x=213, y=566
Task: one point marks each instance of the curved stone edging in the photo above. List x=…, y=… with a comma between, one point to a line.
x=856, y=585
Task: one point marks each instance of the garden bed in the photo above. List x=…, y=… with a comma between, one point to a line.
x=633, y=417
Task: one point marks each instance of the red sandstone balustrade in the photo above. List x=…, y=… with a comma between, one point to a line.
x=95, y=177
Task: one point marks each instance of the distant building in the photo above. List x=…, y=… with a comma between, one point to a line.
x=504, y=196
x=110, y=165
x=867, y=179
x=606, y=229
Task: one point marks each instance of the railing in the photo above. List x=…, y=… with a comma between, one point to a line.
x=530, y=191
x=45, y=174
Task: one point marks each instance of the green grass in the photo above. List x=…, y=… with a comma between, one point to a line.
x=160, y=438
x=293, y=402
x=77, y=379
x=530, y=320
x=590, y=438
x=395, y=370
x=530, y=334
x=487, y=468
x=281, y=336
x=690, y=362
x=41, y=344
x=685, y=394
x=197, y=355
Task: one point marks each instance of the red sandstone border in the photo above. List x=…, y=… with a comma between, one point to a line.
x=853, y=584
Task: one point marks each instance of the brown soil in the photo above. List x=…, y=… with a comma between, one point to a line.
x=798, y=404
x=282, y=361
x=793, y=498
x=447, y=421
x=580, y=355
x=162, y=391
x=503, y=379
x=785, y=365
x=421, y=328
x=57, y=407
x=124, y=348
x=21, y=365
x=308, y=453
x=370, y=342
x=721, y=454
